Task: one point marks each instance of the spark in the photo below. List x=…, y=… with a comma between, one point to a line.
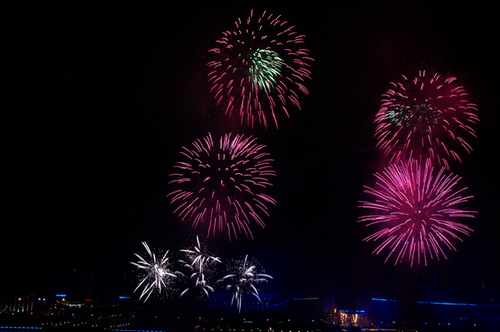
x=427, y=116
x=243, y=278
x=259, y=68
x=156, y=275
x=199, y=262
x=221, y=187
x=415, y=210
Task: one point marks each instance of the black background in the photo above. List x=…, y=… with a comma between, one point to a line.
x=99, y=98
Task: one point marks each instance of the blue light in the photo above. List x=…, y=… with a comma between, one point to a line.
x=126, y=330
x=385, y=300
x=448, y=303
x=20, y=328
x=249, y=302
x=60, y=295
x=124, y=297
x=439, y=303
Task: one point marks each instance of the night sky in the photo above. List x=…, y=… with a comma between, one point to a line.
x=101, y=97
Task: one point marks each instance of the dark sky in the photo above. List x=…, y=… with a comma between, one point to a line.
x=101, y=97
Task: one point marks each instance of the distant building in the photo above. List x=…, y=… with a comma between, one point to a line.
x=345, y=313
x=21, y=304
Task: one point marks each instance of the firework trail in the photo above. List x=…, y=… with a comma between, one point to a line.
x=156, y=275
x=259, y=67
x=416, y=211
x=219, y=186
x=427, y=116
x=199, y=262
x=243, y=277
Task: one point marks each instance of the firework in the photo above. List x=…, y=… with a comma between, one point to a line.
x=155, y=273
x=198, y=262
x=259, y=68
x=427, y=116
x=219, y=187
x=243, y=277
x=416, y=211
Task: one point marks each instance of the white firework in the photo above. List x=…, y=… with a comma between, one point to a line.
x=156, y=275
x=199, y=261
x=243, y=279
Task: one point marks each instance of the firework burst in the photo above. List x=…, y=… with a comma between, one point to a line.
x=244, y=275
x=199, y=262
x=427, y=116
x=155, y=273
x=220, y=186
x=259, y=67
x=416, y=211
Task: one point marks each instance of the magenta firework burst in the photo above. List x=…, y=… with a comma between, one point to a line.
x=259, y=68
x=428, y=116
x=415, y=211
x=220, y=185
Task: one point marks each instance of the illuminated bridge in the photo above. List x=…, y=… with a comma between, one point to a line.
x=249, y=302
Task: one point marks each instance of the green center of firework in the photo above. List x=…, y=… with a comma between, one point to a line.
x=421, y=117
x=265, y=68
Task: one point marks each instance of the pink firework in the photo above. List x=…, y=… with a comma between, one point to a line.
x=415, y=211
x=220, y=187
x=427, y=116
x=259, y=67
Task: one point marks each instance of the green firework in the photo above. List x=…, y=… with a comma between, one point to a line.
x=265, y=67
x=421, y=117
